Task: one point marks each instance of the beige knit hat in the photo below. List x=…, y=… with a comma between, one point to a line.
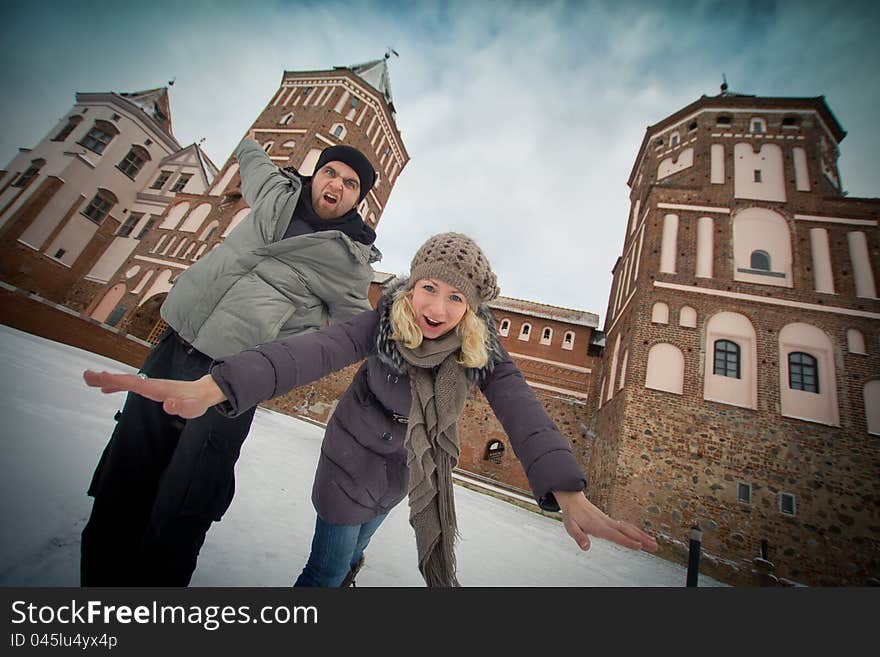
x=456, y=259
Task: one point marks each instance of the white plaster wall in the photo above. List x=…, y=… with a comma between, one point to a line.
x=687, y=317
x=801, y=172
x=160, y=285
x=861, y=264
x=669, y=166
x=634, y=217
x=769, y=161
x=717, y=173
x=823, y=276
x=623, y=370
x=765, y=230
x=613, y=368
x=665, y=368
x=73, y=238
x=112, y=259
x=143, y=282
x=175, y=215
x=855, y=341
x=36, y=234
x=208, y=229
x=669, y=246
x=705, y=247
x=660, y=313
x=196, y=218
x=307, y=166
x=724, y=389
x=817, y=407
x=221, y=185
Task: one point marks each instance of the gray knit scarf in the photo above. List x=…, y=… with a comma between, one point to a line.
x=439, y=390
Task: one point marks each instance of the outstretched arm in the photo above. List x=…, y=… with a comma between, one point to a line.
x=187, y=399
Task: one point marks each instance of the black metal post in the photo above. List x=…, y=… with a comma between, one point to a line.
x=694, y=556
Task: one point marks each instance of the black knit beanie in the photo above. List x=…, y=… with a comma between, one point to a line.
x=353, y=158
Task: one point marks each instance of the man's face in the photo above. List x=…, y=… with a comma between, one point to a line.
x=335, y=190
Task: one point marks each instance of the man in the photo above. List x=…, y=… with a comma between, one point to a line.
x=300, y=260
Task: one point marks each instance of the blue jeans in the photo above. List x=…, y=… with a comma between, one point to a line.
x=336, y=549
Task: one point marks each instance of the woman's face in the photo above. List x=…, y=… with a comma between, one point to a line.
x=438, y=307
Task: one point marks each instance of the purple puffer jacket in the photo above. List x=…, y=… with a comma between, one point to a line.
x=362, y=470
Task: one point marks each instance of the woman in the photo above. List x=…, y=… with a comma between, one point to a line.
x=431, y=338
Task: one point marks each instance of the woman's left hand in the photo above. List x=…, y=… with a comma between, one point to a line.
x=583, y=519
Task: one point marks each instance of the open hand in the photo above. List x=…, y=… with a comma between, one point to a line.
x=188, y=399
x=582, y=518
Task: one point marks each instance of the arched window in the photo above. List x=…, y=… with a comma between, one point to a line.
x=760, y=260
x=286, y=119
x=494, y=451
x=134, y=161
x=338, y=130
x=72, y=122
x=803, y=372
x=855, y=341
x=546, y=335
x=268, y=146
x=674, y=140
x=568, y=340
x=100, y=205
x=665, y=370
x=758, y=125
x=101, y=134
x=727, y=359
x=524, y=332
x=687, y=317
x=504, y=328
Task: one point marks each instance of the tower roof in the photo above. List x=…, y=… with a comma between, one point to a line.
x=734, y=101
x=374, y=73
x=154, y=103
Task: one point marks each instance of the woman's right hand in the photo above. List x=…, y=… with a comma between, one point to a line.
x=188, y=399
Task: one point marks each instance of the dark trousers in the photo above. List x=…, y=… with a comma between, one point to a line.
x=160, y=483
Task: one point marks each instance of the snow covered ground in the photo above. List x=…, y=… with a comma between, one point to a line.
x=55, y=428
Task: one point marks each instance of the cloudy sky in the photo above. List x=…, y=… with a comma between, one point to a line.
x=522, y=118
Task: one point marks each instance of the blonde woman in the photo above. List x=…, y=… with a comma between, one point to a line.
x=393, y=432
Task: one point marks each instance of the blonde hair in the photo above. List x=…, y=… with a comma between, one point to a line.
x=471, y=329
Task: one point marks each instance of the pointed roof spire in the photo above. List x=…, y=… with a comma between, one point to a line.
x=154, y=103
x=375, y=73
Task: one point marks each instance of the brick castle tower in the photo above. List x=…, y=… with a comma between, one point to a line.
x=740, y=383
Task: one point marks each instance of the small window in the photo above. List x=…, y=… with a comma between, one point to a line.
x=494, y=451
x=692, y=126
x=60, y=254
x=546, y=335
x=29, y=174
x=99, y=206
x=726, y=359
x=148, y=142
x=286, y=119
x=504, y=329
x=306, y=91
x=134, y=161
x=129, y=224
x=354, y=101
x=674, y=139
x=790, y=122
x=145, y=229
x=72, y=122
x=115, y=117
x=723, y=120
x=803, y=372
x=658, y=144
x=161, y=180
x=568, y=340
x=337, y=131
x=524, y=332
x=757, y=175
x=758, y=125
x=101, y=134
x=744, y=493
x=180, y=183
x=266, y=147
x=760, y=260
x=787, y=504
